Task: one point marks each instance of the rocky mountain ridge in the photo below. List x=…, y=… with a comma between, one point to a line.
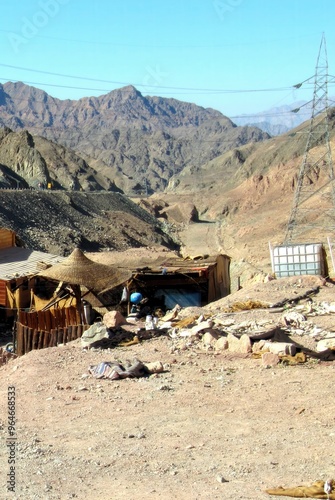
x=35, y=162
x=135, y=142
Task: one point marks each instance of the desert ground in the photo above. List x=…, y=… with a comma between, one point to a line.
x=212, y=425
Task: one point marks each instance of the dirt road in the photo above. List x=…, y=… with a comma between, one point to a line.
x=201, y=238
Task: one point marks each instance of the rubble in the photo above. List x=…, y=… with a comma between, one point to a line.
x=259, y=331
x=218, y=332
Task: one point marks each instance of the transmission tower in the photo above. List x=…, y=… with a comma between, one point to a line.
x=314, y=199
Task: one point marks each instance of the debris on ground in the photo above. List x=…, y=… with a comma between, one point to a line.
x=214, y=423
x=113, y=370
x=6, y=354
x=319, y=489
x=250, y=327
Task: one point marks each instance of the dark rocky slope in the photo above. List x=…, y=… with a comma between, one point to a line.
x=57, y=222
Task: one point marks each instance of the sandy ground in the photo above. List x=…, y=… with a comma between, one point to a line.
x=212, y=426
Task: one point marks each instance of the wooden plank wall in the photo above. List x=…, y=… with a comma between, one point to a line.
x=40, y=329
x=7, y=238
x=3, y=293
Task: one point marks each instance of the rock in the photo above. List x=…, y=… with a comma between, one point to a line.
x=221, y=344
x=180, y=213
x=270, y=359
x=245, y=343
x=93, y=334
x=187, y=333
x=154, y=367
x=258, y=346
x=325, y=344
x=221, y=479
x=293, y=318
x=202, y=326
x=242, y=345
x=113, y=319
x=210, y=338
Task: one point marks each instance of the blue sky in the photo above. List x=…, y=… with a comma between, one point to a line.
x=192, y=50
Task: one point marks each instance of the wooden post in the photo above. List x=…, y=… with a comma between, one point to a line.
x=35, y=339
x=19, y=334
x=53, y=338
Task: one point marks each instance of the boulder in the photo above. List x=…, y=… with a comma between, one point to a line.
x=209, y=339
x=242, y=345
x=325, y=344
x=180, y=213
x=221, y=344
x=113, y=319
x=270, y=359
x=94, y=333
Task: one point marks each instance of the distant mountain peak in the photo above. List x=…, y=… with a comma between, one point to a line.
x=134, y=140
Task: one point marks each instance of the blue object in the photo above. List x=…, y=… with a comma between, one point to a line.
x=136, y=297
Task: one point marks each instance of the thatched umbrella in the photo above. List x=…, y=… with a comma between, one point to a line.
x=78, y=270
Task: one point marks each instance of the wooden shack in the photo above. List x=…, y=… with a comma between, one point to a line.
x=17, y=266
x=169, y=280
x=186, y=282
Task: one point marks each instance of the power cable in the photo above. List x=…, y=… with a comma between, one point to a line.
x=114, y=82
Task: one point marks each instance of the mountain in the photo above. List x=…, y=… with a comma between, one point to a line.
x=136, y=142
x=279, y=119
x=35, y=162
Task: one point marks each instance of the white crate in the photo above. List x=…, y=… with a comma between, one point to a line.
x=293, y=260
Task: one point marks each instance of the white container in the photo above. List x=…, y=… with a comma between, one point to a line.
x=149, y=324
x=295, y=260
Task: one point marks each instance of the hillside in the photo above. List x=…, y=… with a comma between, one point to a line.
x=34, y=162
x=136, y=142
x=246, y=196
x=57, y=222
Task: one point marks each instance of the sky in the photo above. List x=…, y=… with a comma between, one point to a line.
x=236, y=56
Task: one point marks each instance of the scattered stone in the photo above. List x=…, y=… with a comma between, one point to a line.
x=242, y=345
x=209, y=339
x=270, y=359
x=113, y=319
x=293, y=318
x=325, y=344
x=258, y=346
x=94, y=333
x=154, y=367
x=201, y=326
x=221, y=479
x=222, y=344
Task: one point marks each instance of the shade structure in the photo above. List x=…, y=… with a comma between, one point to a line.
x=77, y=269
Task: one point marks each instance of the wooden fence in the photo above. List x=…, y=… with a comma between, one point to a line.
x=40, y=329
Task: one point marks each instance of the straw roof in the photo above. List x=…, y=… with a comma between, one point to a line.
x=77, y=269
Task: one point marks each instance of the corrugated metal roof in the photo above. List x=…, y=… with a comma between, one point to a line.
x=17, y=261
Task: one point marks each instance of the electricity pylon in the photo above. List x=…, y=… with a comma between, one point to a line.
x=314, y=198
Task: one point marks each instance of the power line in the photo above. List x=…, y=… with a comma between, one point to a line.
x=316, y=160
x=114, y=82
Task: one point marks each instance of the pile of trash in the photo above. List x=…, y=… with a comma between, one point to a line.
x=113, y=370
x=267, y=337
